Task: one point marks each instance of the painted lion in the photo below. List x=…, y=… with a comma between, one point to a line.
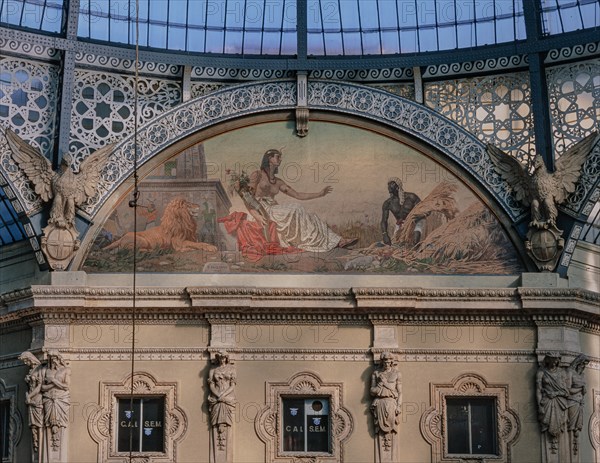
x=177, y=231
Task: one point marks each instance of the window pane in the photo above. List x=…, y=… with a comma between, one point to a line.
x=483, y=429
x=293, y=425
x=153, y=411
x=306, y=425
x=142, y=423
x=4, y=428
x=129, y=425
x=471, y=426
x=317, y=424
x=458, y=426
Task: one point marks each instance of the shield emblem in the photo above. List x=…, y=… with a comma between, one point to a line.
x=59, y=245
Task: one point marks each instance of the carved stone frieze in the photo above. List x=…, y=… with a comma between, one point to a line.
x=268, y=422
x=102, y=422
x=433, y=421
x=301, y=354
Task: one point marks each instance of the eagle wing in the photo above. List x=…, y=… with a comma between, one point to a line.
x=512, y=172
x=36, y=167
x=568, y=166
x=89, y=173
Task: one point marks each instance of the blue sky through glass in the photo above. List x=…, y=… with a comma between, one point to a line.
x=11, y=229
x=335, y=27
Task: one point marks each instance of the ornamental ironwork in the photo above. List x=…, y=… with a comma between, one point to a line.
x=496, y=109
x=28, y=98
x=103, y=109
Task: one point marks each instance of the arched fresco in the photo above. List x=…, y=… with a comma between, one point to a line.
x=238, y=101
x=342, y=200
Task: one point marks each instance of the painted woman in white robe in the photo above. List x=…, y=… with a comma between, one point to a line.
x=295, y=226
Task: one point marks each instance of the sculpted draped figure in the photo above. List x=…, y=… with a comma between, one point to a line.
x=48, y=400
x=386, y=388
x=552, y=394
x=221, y=403
x=33, y=397
x=56, y=396
x=577, y=391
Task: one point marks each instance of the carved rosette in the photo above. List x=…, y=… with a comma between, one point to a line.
x=433, y=420
x=304, y=384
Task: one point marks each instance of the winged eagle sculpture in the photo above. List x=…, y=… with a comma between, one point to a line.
x=543, y=190
x=67, y=187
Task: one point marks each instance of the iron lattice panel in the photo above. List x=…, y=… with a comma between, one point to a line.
x=204, y=88
x=103, y=107
x=574, y=99
x=496, y=109
x=28, y=105
x=404, y=90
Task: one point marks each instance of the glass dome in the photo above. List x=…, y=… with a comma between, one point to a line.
x=330, y=27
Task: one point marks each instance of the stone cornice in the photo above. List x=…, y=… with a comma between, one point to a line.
x=549, y=298
x=434, y=293
x=302, y=305
x=418, y=318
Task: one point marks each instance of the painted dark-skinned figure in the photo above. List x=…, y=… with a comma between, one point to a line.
x=399, y=204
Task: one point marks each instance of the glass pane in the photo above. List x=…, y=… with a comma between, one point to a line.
x=129, y=425
x=154, y=420
x=4, y=428
x=483, y=429
x=458, y=426
x=317, y=425
x=471, y=426
x=11, y=229
x=293, y=425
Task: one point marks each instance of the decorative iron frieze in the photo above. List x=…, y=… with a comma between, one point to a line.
x=114, y=64
x=503, y=64
x=240, y=75
x=364, y=75
x=29, y=49
x=574, y=52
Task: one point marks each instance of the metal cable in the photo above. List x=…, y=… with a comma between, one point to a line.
x=134, y=204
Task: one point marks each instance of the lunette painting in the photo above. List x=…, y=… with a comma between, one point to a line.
x=343, y=199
